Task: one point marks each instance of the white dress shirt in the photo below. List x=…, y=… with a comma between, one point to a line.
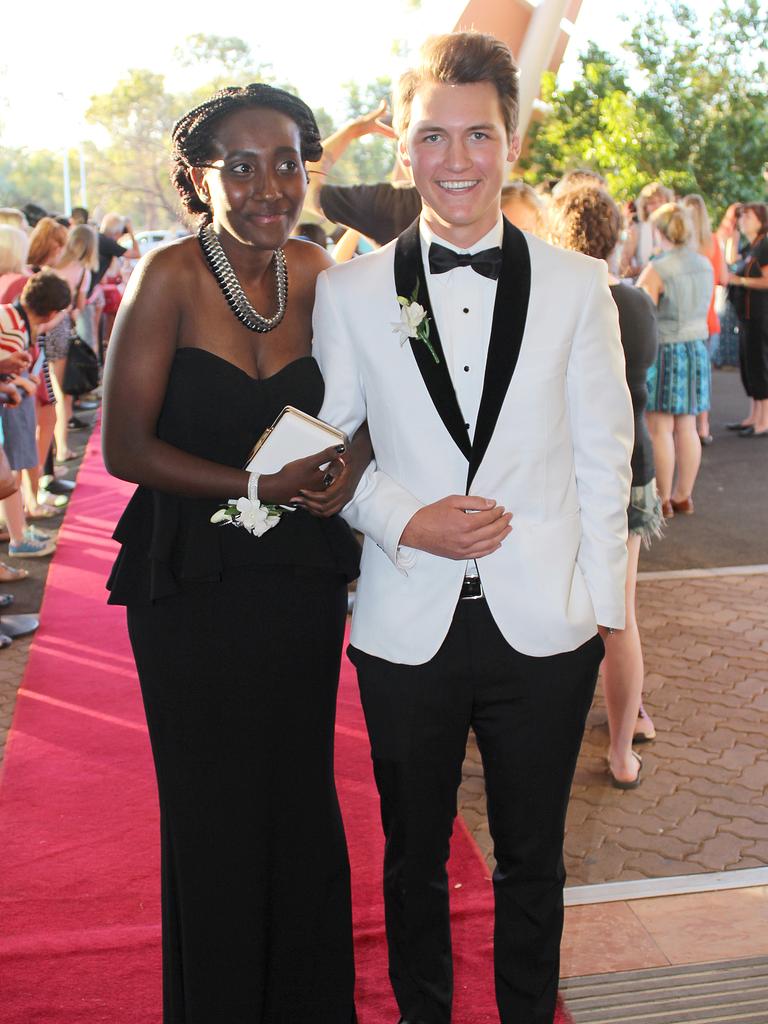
x=462, y=303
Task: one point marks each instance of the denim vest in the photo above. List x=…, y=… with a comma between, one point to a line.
x=688, y=281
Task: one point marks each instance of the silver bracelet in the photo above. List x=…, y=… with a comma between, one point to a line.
x=253, y=486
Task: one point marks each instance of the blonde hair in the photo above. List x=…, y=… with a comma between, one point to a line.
x=673, y=222
x=13, y=218
x=14, y=244
x=82, y=247
x=521, y=192
x=585, y=219
x=46, y=235
x=653, y=190
x=111, y=223
x=462, y=58
x=700, y=222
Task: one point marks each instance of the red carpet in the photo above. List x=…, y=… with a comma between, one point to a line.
x=79, y=888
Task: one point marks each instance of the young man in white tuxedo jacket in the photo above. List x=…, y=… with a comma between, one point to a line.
x=494, y=519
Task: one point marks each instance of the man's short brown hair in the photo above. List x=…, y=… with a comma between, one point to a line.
x=462, y=58
x=45, y=294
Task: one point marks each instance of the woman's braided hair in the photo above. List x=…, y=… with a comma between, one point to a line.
x=192, y=135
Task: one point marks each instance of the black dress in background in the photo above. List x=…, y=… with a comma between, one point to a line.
x=237, y=641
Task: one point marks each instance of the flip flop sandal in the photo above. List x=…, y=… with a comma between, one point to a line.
x=5, y=641
x=644, y=737
x=42, y=512
x=619, y=783
x=6, y=600
x=10, y=574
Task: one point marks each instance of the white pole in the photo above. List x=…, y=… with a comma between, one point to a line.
x=536, y=53
x=83, y=193
x=67, y=186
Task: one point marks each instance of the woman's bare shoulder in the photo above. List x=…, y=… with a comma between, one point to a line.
x=169, y=265
x=306, y=260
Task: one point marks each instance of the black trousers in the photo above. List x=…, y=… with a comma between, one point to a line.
x=753, y=356
x=528, y=715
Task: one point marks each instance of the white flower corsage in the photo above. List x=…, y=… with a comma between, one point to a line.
x=413, y=322
x=251, y=515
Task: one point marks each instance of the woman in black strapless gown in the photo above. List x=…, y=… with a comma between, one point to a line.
x=237, y=638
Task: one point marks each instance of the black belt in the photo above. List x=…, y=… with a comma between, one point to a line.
x=471, y=589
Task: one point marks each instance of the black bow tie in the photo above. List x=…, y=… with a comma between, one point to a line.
x=487, y=263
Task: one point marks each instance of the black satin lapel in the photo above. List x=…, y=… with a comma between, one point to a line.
x=509, y=315
x=408, y=270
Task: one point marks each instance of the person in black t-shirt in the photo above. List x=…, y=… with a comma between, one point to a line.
x=753, y=351
x=114, y=226
x=381, y=211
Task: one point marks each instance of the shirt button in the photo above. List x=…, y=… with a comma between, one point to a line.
x=466, y=369
x=466, y=309
x=466, y=425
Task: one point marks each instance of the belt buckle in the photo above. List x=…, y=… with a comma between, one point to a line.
x=471, y=588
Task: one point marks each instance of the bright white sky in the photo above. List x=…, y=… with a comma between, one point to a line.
x=56, y=56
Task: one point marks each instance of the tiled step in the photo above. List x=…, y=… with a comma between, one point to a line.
x=728, y=992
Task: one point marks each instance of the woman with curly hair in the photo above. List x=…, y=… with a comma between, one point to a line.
x=587, y=219
x=237, y=635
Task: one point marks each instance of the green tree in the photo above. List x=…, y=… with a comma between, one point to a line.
x=131, y=172
x=697, y=123
x=597, y=123
x=32, y=176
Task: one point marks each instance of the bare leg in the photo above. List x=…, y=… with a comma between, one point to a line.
x=688, y=451
x=702, y=424
x=761, y=415
x=13, y=510
x=622, y=674
x=661, y=427
x=63, y=409
x=751, y=418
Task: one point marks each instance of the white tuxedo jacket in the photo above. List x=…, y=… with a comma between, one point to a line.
x=552, y=444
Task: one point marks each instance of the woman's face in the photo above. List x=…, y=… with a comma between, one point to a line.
x=749, y=223
x=256, y=188
x=54, y=254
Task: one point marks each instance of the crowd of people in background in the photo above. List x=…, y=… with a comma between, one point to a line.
x=60, y=284
x=688, y=298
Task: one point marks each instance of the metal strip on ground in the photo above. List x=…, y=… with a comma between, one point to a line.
x=669, y=885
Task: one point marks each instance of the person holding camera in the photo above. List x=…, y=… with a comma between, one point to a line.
x=44, y=295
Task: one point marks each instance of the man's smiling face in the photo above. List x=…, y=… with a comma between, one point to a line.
x=457, y=147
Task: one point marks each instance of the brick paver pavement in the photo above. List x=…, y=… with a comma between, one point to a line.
x=702, y=803
x=12, y=662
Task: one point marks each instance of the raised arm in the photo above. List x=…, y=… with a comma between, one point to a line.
x=334, y=147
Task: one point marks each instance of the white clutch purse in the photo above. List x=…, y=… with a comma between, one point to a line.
x=293, y=435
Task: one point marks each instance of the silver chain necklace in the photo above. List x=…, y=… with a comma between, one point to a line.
x=233, y=292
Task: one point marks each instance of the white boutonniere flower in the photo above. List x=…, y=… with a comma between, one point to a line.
x=251, y=515
x=413, y=322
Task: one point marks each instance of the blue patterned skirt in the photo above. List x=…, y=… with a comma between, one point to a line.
x=680, y=381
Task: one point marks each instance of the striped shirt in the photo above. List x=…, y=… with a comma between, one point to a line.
x=14, y=336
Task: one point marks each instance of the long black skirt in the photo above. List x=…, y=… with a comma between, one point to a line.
x=239, y=681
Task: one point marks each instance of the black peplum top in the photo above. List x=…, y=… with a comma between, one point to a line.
x=215, y=410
